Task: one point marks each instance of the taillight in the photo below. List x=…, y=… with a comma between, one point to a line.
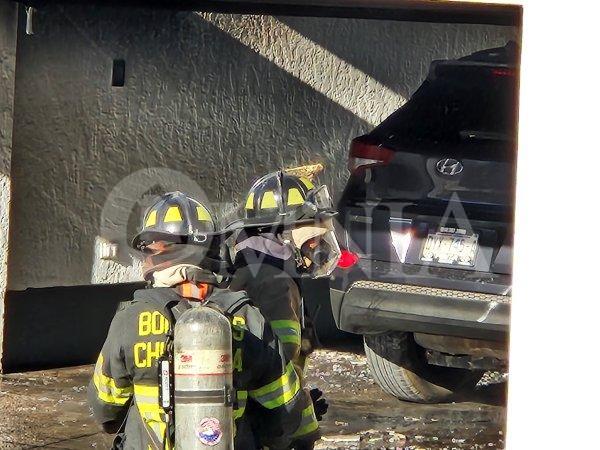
x=503, y=72
x=347, y=259
x=364, y=154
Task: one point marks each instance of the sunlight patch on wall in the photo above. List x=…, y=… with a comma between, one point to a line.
x=312, y=64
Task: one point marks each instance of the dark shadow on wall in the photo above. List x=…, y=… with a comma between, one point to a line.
x=61, y=326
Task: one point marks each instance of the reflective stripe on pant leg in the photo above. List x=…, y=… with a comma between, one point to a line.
x=153, y=416
x=309, y=423
x=242, y=397
x=240, y=409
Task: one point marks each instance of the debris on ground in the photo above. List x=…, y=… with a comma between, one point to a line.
x=48, y=409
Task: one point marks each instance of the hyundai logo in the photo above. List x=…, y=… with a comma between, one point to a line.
x=449, y=166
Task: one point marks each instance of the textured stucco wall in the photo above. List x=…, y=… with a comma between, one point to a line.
x=217, y=99
x=8, y=44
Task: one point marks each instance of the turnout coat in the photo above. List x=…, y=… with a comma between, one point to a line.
x=124, y=387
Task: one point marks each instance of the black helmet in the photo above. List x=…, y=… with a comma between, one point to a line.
x=280, y=198
x=176, y=218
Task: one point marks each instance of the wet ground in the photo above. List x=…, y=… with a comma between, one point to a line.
x=47, y=409
x=362, y=416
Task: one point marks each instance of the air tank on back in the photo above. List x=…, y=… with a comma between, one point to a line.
x=203, y=380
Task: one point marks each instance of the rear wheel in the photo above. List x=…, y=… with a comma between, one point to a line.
x=399, y=366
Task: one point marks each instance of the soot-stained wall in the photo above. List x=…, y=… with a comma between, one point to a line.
x=216, y=99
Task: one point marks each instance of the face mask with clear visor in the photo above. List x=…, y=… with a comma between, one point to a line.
x=315, y=248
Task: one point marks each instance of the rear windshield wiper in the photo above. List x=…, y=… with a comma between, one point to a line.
x=484, y=135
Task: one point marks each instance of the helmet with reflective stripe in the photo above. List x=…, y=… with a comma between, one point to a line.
x=177, y=218
x=280, y=198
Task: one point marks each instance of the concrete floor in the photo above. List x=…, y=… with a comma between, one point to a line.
x=47, y=409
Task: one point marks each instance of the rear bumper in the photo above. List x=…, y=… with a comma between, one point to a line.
x=371, y=307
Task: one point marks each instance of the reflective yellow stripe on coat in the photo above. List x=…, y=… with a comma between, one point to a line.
x=154, y=417
x=107, y=389
x=309, y=422
x=279, y=392
x=240, y=409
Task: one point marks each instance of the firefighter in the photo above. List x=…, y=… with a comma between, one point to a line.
x=286, y=233
x=181, y=262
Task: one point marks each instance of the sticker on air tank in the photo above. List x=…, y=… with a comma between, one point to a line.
x=203, y=362
x=209, y=431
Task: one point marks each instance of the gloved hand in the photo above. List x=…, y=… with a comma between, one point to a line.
x=319, y=403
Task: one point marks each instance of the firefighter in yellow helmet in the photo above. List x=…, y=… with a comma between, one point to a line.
x=181, y=261
x=286, y=233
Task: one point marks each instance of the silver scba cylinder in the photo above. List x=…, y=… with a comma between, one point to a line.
x=203, y=380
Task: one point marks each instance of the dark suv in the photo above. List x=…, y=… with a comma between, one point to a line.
x=427, y=223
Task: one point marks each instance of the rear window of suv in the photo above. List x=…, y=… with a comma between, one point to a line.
x=458, y=102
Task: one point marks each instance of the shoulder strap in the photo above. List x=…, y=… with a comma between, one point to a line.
x=228, y=301
x=231, y=303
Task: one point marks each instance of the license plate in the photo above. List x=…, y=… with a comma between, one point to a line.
x=454, y=249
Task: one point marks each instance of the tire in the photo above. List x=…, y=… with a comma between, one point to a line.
x=399, y=366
